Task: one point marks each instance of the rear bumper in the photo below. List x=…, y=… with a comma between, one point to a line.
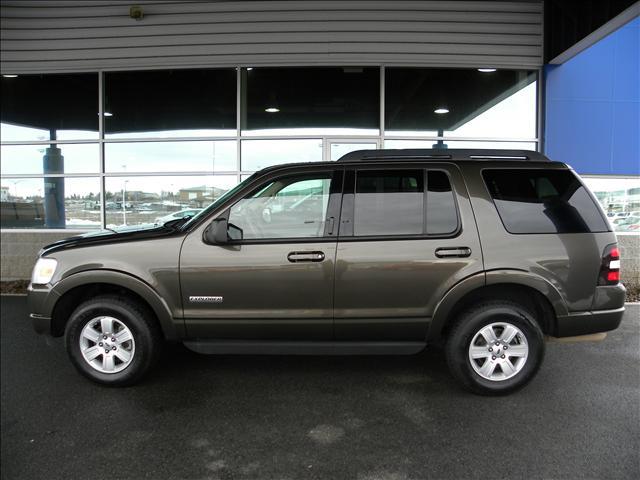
x=584, y=323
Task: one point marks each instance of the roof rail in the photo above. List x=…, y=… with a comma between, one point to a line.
x=443, y=154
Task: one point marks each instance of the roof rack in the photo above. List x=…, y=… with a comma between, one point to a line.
x=443, y=154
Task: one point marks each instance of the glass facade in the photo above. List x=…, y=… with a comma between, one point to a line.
x=460, y=103
x=340, y=100
x=620, y=200
x=105, y=149
x=170, y=103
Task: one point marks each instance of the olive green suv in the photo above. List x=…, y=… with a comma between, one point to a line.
x=382, y=252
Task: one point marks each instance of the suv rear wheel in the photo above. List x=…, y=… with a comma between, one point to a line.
x=495, y=348
x=112, y=340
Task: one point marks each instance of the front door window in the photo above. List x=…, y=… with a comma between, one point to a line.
x=289, y=207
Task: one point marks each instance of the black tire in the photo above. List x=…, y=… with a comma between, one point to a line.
x=470, y=322
x=140, y=322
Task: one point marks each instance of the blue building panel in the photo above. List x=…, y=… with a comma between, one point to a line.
x=592, y=106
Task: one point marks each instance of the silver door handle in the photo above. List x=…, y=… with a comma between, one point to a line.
x=295, y=257
x=459, y=252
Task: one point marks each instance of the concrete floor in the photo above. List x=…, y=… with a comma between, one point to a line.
x=362, y=418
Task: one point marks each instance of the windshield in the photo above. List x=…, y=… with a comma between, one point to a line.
x=218, y=202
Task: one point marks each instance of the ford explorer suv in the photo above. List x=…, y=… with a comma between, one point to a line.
x=482, y=252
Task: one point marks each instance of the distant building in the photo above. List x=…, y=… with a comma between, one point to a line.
x=4, y=194
x=199, y=195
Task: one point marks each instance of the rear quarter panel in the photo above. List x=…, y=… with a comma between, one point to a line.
x=570, y=262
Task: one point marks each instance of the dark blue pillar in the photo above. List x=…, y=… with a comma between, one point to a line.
x=53, y=162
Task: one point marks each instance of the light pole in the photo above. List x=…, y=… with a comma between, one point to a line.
x=124, y=198
x=124, y=202
x=15, y=187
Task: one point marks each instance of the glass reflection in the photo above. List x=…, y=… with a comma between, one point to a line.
x=620, y=200
x=53, y=202
x=258, y=154
x=460, y=103
x=170, y=103
x=159, y=199
x=389, y=203
x=205, y=156
x=311, y=101
x=340, y=149
x=459, y=144
x=37, y=159
x=49, y=107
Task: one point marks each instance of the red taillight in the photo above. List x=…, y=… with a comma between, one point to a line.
x=610, y=269
x=613, y=276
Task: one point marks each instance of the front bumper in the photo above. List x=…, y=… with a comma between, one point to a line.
x=584, y=323
x=40, y=307
x=41, y=324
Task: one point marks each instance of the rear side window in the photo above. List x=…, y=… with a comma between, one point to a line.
x=389, y=202
x=392, y=202
x=442, y=216
x=543, y=201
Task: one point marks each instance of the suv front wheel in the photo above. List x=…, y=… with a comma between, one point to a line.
x=495, y=348
x=112, y=340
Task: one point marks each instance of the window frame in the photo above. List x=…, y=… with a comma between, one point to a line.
x=347, y=218
x=329, y=234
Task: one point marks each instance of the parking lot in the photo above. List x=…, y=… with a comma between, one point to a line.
x=363, y=418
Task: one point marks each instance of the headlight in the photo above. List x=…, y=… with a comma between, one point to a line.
x=43, y=271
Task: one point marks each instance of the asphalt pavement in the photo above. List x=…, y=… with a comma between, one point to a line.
x=363, y=418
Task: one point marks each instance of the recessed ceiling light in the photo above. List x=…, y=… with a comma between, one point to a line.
x=487, y=70
x=107, y=114
x=441, y=110
x=10, y=75
x=272, y=110
x=249, y=69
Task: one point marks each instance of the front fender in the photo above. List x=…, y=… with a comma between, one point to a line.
x=172, y=328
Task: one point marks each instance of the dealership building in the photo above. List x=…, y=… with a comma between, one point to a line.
x=118, y=114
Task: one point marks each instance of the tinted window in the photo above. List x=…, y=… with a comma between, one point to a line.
x=500, y=103
x=543, y=201
x=318, y=97
x=389, y=202
x=166, y=103
x=292, y=207
x=442, y=217
x=49, y=107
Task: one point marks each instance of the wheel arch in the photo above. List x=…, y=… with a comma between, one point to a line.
x=71, y=291
x=515, y=285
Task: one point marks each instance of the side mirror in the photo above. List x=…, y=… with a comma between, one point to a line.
x=217, y=232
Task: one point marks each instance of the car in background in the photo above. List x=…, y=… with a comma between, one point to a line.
x=190, y=212
x=628, y=224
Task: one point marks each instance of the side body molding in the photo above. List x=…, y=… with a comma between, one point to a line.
x=492, y=277
x=173, y=329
